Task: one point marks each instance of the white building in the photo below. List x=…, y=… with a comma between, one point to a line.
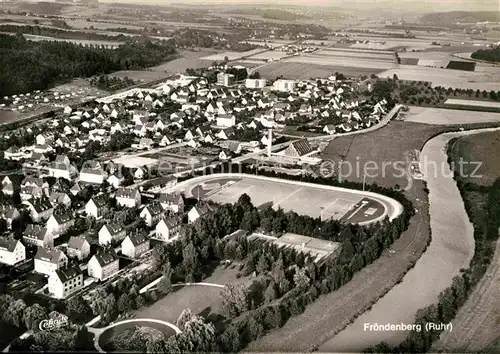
x=97, y=206
x=37, y=235
x=173, y=202
x=103, y=265
x=78, y=247
x=152, y=213
x=284, y=85
x=226, y=120
x=111, y=234
x=128, y=197
x=197, y=212
x=225, y=79
x=135, y=245
x=255, y=83
x=59, y=223
x=47, y=261
x=168, y=229
x=11, y=251
x=65, y=281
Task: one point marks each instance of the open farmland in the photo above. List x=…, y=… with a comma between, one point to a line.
x=271, y=43
x=84, y=42
x=271, y=54
x=233, y=55
x=483, y=148
x=82, y=24
x=294, y=70
x=476, y=80
x=378, y=64
x=472, y=103
x=347, y=53
x=443, y=116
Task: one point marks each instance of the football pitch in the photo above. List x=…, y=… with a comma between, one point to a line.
x=320, y=201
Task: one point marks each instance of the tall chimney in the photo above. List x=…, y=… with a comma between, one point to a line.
x=270, y=143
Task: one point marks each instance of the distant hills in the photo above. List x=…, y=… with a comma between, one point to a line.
x=452, y=17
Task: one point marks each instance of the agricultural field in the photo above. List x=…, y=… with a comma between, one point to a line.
x=187, y=59
x=441, y=116
x=483, y=148
x=477, y=80
x=353, y=53
x=271, y=54
x=233, y=55
x=271, y=43
x=366, y=63
x=293, y=70
x=83, y=42
x=82, y=24
x=472, y=103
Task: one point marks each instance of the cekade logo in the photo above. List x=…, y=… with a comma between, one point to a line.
x=48, y=325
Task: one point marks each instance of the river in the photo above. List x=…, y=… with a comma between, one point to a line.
x=451, y=249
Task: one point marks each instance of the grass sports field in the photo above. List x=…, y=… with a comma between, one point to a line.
x=304, y=200
x=441, y=116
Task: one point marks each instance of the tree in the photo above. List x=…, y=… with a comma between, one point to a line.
x=165, y=284
x=279, y=277
x=263, y=264
x=33, y=315
x=234, y=299
x=184, y=317
x=270, y=293
x=190, y=259
x=14, y=313
x=78, y=309
x=125, y=303
x=300, y=278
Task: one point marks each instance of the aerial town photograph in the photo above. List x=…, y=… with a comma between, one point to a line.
x=255, y=176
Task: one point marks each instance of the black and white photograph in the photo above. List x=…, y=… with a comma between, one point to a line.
x=254, y=176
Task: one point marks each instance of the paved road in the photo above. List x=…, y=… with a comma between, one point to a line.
x=451, y=248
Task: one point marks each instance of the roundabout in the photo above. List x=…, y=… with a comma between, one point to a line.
x=104, y=335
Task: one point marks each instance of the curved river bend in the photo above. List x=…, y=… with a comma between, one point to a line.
x=451, y=248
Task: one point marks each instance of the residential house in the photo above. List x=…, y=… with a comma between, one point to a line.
x=40, y=208
x=135, y=245
x=92, y=172
x=61, y=168
x=11, y=251
x=65, y=281
x=97, y=206
x=48, y=260
x=173, y=202
x=129, y=197
x=197, y=212
x=45, y=138
x=152, y=213
x=78, y=247
x=168, y=229
x=111, y=234
x=60, y=198
x=115, y=180
x=226, y=120
x=37, y=235
x=103, y=265
x=329, y=129
x=60, y=222
x=145, y=143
